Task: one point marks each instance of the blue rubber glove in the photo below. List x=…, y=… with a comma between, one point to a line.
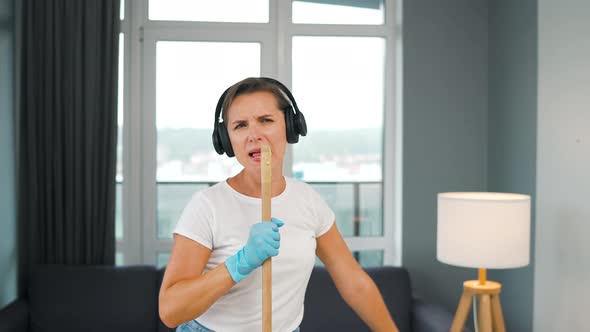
x=264, y=242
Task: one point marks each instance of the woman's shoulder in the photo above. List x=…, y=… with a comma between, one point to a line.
x=211, y=193
x=300, y=187
x=297, y=184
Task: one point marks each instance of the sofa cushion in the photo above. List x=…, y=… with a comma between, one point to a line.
x=323, y=313
x=93, y=298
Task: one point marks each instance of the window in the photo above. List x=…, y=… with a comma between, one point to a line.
x=251, y=11
x=176, y=57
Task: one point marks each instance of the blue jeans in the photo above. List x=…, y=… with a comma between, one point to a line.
x=194, y=326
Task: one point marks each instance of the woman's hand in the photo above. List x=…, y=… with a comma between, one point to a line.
x=264, y=242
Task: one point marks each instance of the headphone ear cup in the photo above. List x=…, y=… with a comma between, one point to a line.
x=220, y=138
x=225, y=141
x=290, y=126
x=216, y=142
x=301, y=124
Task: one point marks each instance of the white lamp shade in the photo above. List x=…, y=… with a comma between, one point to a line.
x=483, y=230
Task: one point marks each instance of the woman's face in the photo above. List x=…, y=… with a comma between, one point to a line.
x=253, y=119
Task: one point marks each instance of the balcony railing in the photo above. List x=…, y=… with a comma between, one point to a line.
x=358, y=207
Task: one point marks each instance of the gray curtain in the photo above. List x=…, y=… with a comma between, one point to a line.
x=67, y=133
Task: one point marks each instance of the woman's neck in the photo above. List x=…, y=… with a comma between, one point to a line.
x=250, y=185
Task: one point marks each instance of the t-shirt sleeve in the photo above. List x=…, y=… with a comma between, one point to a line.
x=324, y=214
x=196, y=221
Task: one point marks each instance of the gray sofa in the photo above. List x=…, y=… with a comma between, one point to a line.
x=100, y=298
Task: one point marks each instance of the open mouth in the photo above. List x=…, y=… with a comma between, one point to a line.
x=256, y=154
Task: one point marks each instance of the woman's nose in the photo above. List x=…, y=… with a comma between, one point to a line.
x=254, y=133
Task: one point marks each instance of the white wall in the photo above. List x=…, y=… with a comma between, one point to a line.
x=562, y=253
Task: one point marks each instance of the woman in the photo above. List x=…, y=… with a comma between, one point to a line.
x=213, y=280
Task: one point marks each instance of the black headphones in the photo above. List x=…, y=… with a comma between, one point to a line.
x=294, y=120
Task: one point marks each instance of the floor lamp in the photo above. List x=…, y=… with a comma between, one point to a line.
x=483, y=230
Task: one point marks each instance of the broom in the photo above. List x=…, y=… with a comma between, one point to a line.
x=265, y=170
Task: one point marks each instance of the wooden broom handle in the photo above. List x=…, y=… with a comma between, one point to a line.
x=265, y=170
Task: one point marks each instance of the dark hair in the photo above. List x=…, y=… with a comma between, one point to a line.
x=251, y=85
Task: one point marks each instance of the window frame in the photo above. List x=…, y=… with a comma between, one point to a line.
x=140, y=244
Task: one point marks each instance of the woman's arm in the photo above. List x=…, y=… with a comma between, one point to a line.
x=186, y=292
x=354, y=284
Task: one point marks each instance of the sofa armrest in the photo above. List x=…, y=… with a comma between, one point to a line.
x=428, y=317
x=15, y=317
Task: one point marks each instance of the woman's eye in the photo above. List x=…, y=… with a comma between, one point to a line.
x=267, y=120
x=238, y=126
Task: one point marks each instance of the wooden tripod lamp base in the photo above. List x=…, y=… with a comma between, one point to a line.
x=489, y=313
x=463, y=238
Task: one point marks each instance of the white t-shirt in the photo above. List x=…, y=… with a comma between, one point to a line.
x=219, y=218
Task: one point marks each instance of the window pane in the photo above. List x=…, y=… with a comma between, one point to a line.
x=122, y=10
x=357, y=205
x=190, y=78
x=371, y=211
x=251, y=11
x=162, y=259
x=339, y=86
x=119, y=259
x=120, y=110
x=120, y=107
x=119, y=211
x=340, y=199
x=368, y=258
x=338, y=11
x=172, y=198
